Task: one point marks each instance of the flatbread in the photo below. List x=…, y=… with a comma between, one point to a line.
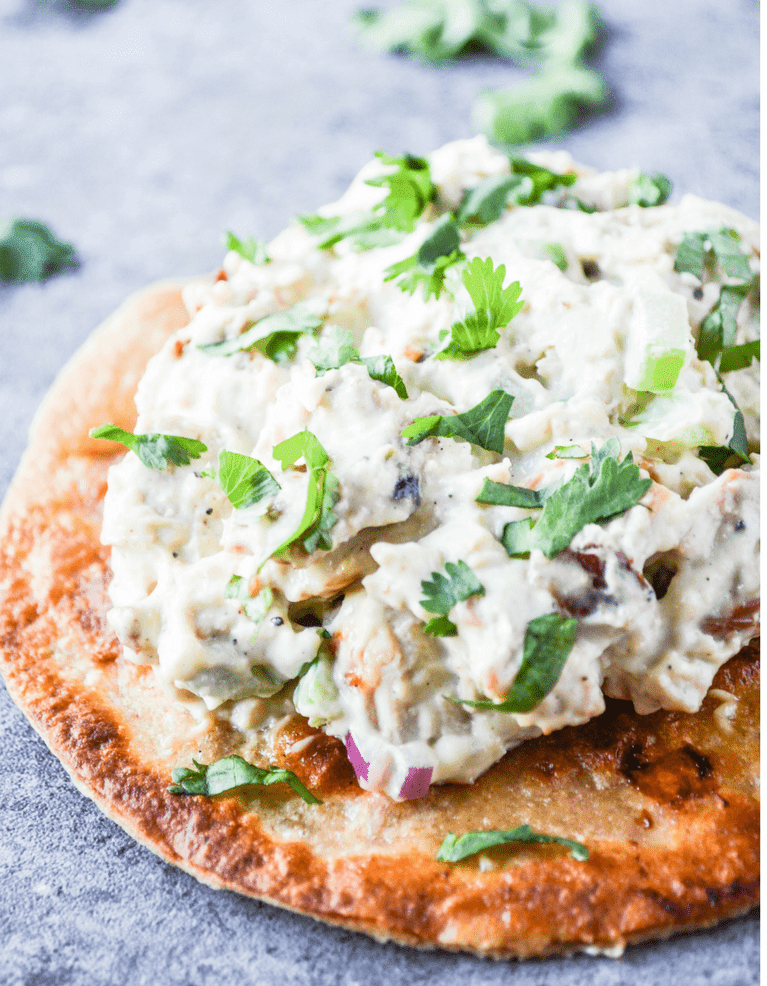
x=666, y=803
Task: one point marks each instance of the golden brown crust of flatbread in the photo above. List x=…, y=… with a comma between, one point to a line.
x=666, y=803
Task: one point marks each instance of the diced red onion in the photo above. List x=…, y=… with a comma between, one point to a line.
x=416, y=783
x=356, y=759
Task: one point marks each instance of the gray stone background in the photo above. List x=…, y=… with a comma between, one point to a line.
x=140, y=133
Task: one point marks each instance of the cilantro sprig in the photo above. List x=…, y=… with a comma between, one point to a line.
x=650, y=190
x=230, y=773
x=274, y=336
x=337, y=348
x=443, y=592
x=249, y=248
x=481, y=425
x=548, y=642
x=244, y=480
x=29, y=251
x=314, y=528
x=494, y=307
x=456, y=848
x=593, y=495
x=696, y=254
x=156, y=451
x=410, y=190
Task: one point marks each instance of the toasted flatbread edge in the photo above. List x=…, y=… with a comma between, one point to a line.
x=623, y=893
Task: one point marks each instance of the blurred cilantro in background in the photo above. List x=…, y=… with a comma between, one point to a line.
x=553, y=43
x=30, y=252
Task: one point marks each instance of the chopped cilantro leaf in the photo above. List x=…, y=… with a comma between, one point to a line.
x=691, y=255
x=427, y=266
x=410, y=190
x=567, y=452
x=274, y=336
x=322, y=491
x=718, y=457
x=30, y=252
x=501, y=494
x=482, y=425
x=155, y=451
x=650, y=190
x=485, y=203
x=249, y=249
x=591, y=496
x=244, y=480
x=337, y=348
x=548, y=642
x=542, y=178
x=738, y=357
x=456, y=848
x=718, y=328
x=444, y=592
x=556, y=254
x=544, y=106
x=495, y=306
x=732, y=259
x=231, y=773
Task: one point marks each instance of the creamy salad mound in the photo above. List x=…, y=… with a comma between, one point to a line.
x=443, y=465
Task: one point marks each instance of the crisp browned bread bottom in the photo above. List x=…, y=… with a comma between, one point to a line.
x=666, y=803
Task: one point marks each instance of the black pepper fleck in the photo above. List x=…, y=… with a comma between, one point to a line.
x=175, y=554
x=591, y=269
x=698, y=294
x=209, y=511
x=277, y=621
x=740, y=525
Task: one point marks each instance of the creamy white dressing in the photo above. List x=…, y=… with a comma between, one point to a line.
x=651, y=589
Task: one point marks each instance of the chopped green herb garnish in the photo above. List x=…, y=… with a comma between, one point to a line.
x=244, y=480
x=592, y=496
x=717, y=330
x=717, y=333
x=444, y=592
x=548, y=642
x=650, y=190
x=718, y=457
x=410, y=190
x=455, y=848
x=494, y=307
x=30, y=252
x=544, y=106
x=427, y=266
x=322, y=491
x=738, y=357
x=230, y=773
x=503, y=495
x=482, y=425
x=337, y=348
x=155, y=451
x=556, y=254
x=567, y=452
x=485, y=203
x=542, y=178
x=274, y=336
x=254, y=607
x=249, y=249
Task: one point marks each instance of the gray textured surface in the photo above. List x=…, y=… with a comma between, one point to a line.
x=140, y=133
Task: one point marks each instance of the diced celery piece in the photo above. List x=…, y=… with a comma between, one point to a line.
x=658, y=340
x=690, y=419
